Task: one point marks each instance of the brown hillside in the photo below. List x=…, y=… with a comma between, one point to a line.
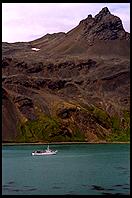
x=75, y=88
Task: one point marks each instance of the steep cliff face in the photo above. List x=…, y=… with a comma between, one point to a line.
x=76, y=87
x=10, y=118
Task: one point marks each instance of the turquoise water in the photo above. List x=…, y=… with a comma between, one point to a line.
x=77, y=169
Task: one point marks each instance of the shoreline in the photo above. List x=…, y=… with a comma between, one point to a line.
x=50, y=143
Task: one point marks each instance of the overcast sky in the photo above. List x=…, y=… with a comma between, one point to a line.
x=29, y=21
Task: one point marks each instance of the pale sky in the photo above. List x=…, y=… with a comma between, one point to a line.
x=29, y=21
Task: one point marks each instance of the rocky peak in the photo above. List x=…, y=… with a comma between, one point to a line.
x=105, y=11
x=104, y=26
x=89, y=16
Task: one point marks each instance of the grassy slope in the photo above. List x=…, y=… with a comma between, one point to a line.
x=52, y=128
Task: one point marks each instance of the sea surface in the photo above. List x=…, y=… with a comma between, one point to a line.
x=77, y=169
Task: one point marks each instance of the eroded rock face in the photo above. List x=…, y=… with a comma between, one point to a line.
x=86, y=69
x=6, y=62
x=35, y=69
x=57, y=84
x=105, y=11
x=10, y=118
x=104, y=26
x=4, y=94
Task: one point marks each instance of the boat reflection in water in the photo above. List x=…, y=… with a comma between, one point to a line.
x=48, y=151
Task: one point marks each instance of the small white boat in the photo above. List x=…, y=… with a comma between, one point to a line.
x=45, y=152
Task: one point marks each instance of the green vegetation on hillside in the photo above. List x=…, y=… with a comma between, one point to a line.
x=120, y=129
x=99, y=115
x=47, y=129
x=55, y=129
x=38, y=130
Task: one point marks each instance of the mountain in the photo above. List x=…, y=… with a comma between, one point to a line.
x=74, y=87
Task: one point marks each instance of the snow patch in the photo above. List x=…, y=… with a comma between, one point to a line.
x=35, y=49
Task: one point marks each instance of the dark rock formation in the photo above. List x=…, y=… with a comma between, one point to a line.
x=57, y=84
x=104, y=26
x=35, y=69
x=105, y=11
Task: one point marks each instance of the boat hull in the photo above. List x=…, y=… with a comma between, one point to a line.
x=39, y=154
